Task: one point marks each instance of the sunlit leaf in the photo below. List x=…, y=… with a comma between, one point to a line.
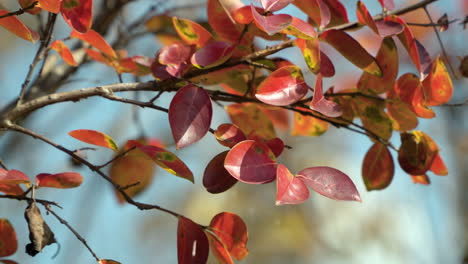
x=221, y=20
x=35, y=10
x=229, y=135
x=216, y=179
x=133, y=168
x=11, y=189
x=8, y=239
x=278, y=116
x=174, y=54
x=271, y=24
x=13, y=177
x=388, y=4
x=438, y=166
x=276, y=145
x=166, y=160
x=403, y=118
x=249, y=118
x=212, y=54
x=378, y=167
x=95, y=40
x=330, y=183
x=15, y=26
x=300, y=29
x=192, y=243
x=284, y=86
x=78, y=14
x=62, y=180
x=322, y=105
x=218, y=249
x=190, y=114
x=251, y=162
x=387, y=58
x=95, y=138
x=311, y=51
x=108, y=261
x=364, y=17
x=410, y=90
x=437, y=87
x=337, y=12
x=64, y=52
x=275, y=5
x=315, y=9
x=326, y=66
x=373, y=117
x=289, y=189
x=232, y=231
x=421, y=179
x=305, y=125
x=191, y=32
x=52, y=6
x=417, y=152
x=351, y=50
x=382, y=27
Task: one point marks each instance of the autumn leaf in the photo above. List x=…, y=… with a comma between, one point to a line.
x=95, y=138
x=218, y=249
x=437, y=87
x=52, y=6
x=417, y=152
x=251, y=162
x=13, y=177
x=191, y=32
x=232, y=231
x=216, y=179
x=15, y=26
x=94, y=39
x=250, y=118
x=8, y=239
x=289, y=188
x=229, y=135
x=212, y=54
x=320, y=104
x=378, y=167
x=311, y=51
x=305, y=125
x=108, y=261
x=62, y=180
x=78, y=14
x=190, y=114
x=192, y=243
x=64, y=52
x=271, y=24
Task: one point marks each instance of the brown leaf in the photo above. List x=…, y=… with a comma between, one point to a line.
x=40, y=234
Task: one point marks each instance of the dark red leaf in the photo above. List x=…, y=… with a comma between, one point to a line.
x=174, y=54
x=378, y=167
x=229, y=135
x=417, y=152
x=220, y=16
x=212, y=54
x=251, y=162
x=232, y=231
x=190, y=115
x=276, y=145
x=326, y=66
x=192, y=243
x=289, y=189
x=330, y=183
x=322, y=105
x=216, y=179
x=78, y=14
x=271, y=24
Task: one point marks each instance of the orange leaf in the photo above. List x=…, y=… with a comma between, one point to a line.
x=378, y=168
x=12, y=189
x=94, y=137
x=438, y=166
x=13, y=177
x=62, y=180
x=64, y=52
x=403, y=118
x=52, y=6
x=219, y=250
x=421, y=179
x=409, y=89
x=8, y=239
x=95, y=40
x=437, y=86
x=15, y=26
x=26, y=3
x=304, y=125
x=78, y=14
x=250, y=118
x=232, y=231
x=192, y=33
x=351, y=50
x=108, y=261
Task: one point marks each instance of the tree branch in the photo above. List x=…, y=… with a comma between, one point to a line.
x=24, y=198
x=20, y=11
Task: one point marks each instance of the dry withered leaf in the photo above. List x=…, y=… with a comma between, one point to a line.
x=40, y=234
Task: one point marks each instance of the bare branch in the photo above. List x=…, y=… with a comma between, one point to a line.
x=116, y=157
x=24, y=198
x=20, y=11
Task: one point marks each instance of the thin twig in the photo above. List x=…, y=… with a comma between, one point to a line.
x=2, y=164
x=23, y=197
x=431, y=24
x=121, y=154
x=77, y=235
x=359, y=94
x=20, y=11
x=129, y=186
x=440, y=43
x=39, y=55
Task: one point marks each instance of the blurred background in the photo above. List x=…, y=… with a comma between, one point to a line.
x=405, y=223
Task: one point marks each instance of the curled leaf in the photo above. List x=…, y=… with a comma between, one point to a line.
x=289, y=189
x=322, y=105
x=229, y=135
x=40, y=234
x=212, y=54
x=271, y=24
x=78, y=14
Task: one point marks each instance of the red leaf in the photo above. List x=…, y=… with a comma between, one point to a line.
x=251, y=162
x=326, y=66
x=95, y=138
x=11, y=189
x=322, y=105
x=190, y=32
x=276, y=145
x=271, y=24
x=384, y=27
x=337, y=12
x=166, y=160
x=174, y=54
x=315, y=9
x=95, y=40
x=289, y=189
x=330, y=183
x=192, y=243
x=108, y=261
x=275, y=5
x=15, y=26
x=437, y=87
x=378, y=167
x=438, y=166
x=410, y=91
x=232, y=231
x=135, y=167
x=6, y=261
x=417, y=152
x=351, y=50
x=388, y=4
x=219, y=250
x=190, y=115
x=64, y=52
x=403, y=118
x=284, y=86
x=278, y=116
x=387, y=58
x=220, y=16
x=13, y=177
x=8, y=239
x=52, y=6
x=216, y=179
x=62, y=180
x=364, y=17
x=78, y=14
x=212, y=54
x=229, y=135
x=300, y=29
x=249, y=117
